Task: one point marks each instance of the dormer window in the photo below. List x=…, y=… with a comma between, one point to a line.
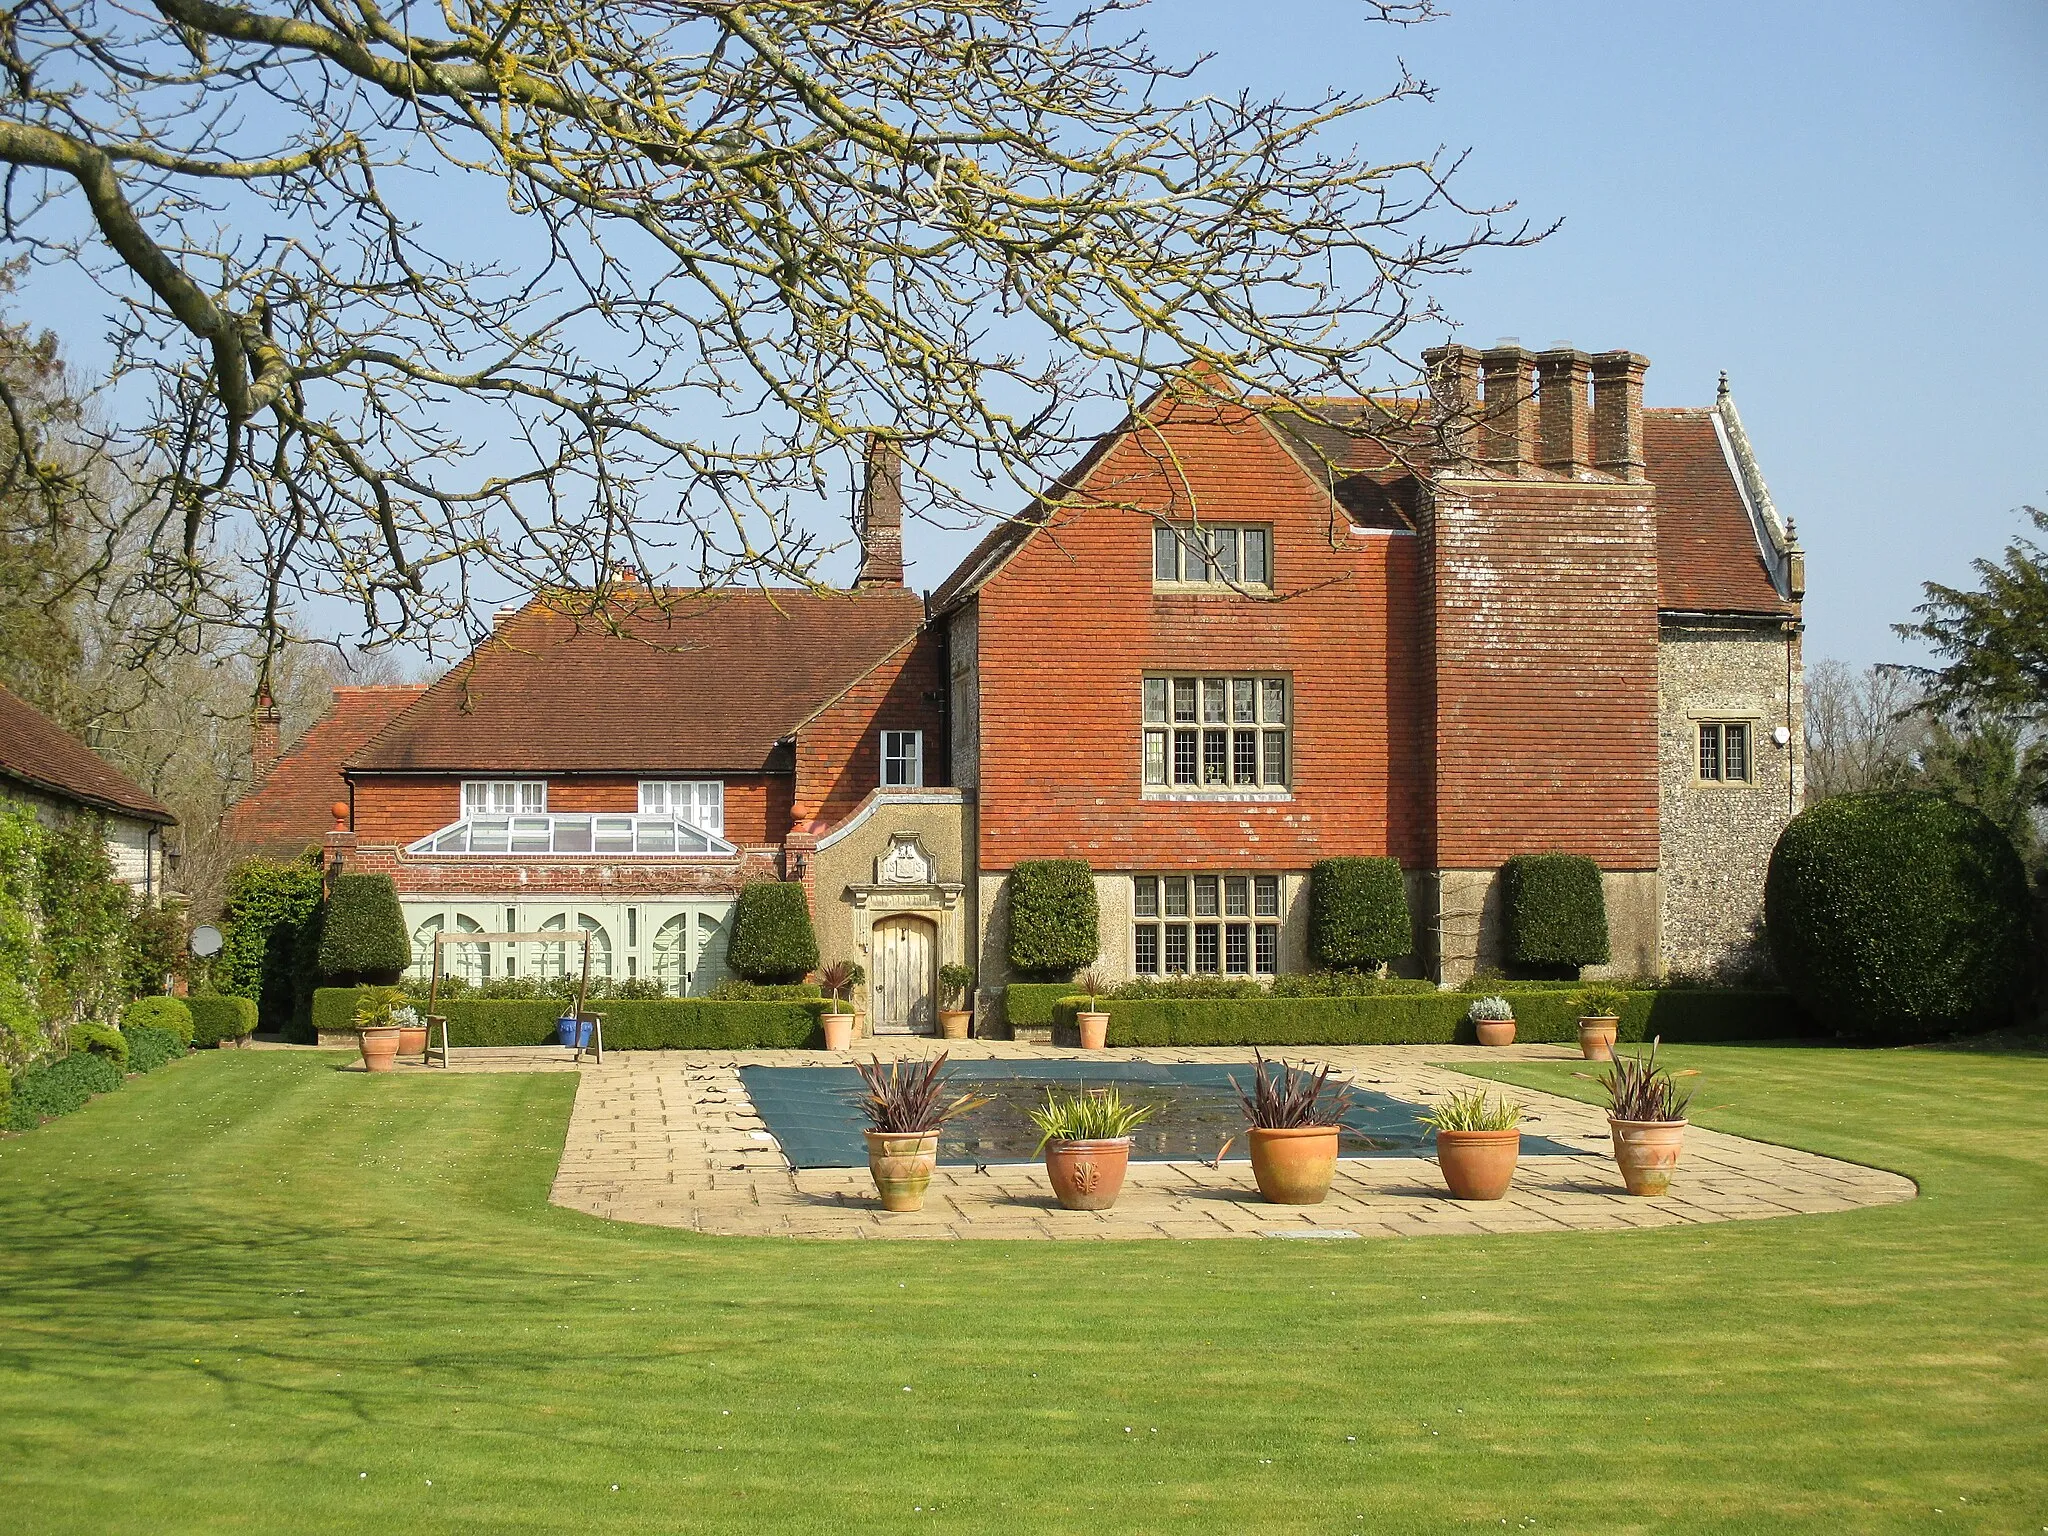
x=504, y=797
x=1213, y=555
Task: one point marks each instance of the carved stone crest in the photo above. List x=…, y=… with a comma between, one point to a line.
x=907, y=862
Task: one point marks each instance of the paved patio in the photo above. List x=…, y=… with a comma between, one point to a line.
x=670, y=1138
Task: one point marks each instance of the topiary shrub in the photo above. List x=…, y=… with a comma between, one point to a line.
x=100, y=1040
x=1358, y=913
x=1055, y=926
x=215, y=1019
x=1554, y=911
x=166, y=1013
x=772, y=939
x=362, y=936
x=43, y=1093
x=150, y=1048
x=1899, y=915
x=271, y=923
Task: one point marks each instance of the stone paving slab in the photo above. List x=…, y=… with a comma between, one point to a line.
x=670, y=1138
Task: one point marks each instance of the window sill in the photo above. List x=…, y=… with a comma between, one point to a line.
x=1212, y=589
x=1222, y=796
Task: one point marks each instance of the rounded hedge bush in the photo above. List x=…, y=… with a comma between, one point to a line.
x=1055, y=926
x=169, y=1013
x=1899, y=915
x=1358, y=913
x=1555, y=912
x=100, y=1039
x=772, y=938
x=363, y=941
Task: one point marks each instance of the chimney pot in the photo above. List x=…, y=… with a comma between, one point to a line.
x=1618, y=413
x=1509, y=440
x=881, y=515
x=504, y=612
x=1565, y=409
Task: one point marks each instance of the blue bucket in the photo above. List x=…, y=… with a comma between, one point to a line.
x=567, y=1032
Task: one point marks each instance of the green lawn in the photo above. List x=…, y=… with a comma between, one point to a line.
x=230, y=1291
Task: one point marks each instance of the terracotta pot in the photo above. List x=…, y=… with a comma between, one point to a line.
x=1495, y=1031
x=380, y=1047
x=1094, y=1030
x=1596, y=1037
x=902, y=1163
x=838, y=1029
x=954, y=1023
x=1294, y=1166
x=1478, y=1165
x=1647, y=1153
x=412, y=1039
x=1088, y=1175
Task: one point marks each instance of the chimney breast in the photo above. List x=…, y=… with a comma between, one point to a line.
x=1618, y=413
x=1509, y=439
x=881, y=515
x=1565, y=410
x=263, y=740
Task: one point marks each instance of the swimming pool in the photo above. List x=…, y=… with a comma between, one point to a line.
x=813, y=1113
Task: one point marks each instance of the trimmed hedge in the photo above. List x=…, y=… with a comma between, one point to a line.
x=215, y=1019
x=1030, y=1004
x=150, y=1048
x=165, y=1013
x=1358, y=913
x=101, y=1040
x=687, y=1023
x=772, y=938
x=1555, y=911
x=44, y=1093
x=272, y=927
x=1899, y=915
x=1055, y=926
x=363, y=940
x=1438, y=1018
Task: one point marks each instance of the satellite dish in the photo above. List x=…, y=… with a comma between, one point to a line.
x=206, y=941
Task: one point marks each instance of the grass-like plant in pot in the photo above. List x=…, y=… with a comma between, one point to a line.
x=1599, y=1020
x=1478, y=1142
x=1293, y=1114
x=839, y=979
x=1646, y=1116
x=1086, y=1139
x=905, y=1104
x=956, y=985
x=1092, y=1021
x=382, y=1016
x=1493, y=1019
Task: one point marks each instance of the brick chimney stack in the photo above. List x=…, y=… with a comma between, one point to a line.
x=263, y=739
x=1565, y=406
x=1508, y=442
x=1618, y=414
x=881, y=515
x=1454, y=393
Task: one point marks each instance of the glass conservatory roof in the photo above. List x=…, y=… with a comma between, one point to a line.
x=552, y=834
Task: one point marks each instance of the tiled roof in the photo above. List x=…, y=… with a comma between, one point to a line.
x=37, y=755
x=1708, y=558
x=291, y=807
x=711, y=685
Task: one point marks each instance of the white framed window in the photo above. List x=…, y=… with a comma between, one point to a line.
x=902, y=759
x=1205, y=925
x=700, y=802
x=1215, y=734
x=1723, y=751
x=1212, y=555
x=504, y=797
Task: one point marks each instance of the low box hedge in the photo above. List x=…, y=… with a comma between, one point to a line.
x=215, y=1019
x=1030, y=1004
x=685, y=1023
x=1438, y=1018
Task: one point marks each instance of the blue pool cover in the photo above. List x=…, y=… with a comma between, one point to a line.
x=813, y=1112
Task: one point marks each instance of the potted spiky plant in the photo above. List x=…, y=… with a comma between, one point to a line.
x=1646, y=1117
x=380, y=1023
x=840, y=977
x=956, y=983
x=1493, y=1020
x=1092, y=1021
x=1599, y=1021
x=1293, y=1118
x=1086, y=1139
x=905, y=1106
x=1478, y=1143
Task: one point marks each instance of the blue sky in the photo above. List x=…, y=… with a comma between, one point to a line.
x=1843, y=205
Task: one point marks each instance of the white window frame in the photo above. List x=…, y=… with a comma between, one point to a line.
x=893, y=745
x=1211, y=557
x=1207, y=923
x=700, y=802
x=1188, y=718
x=1721, y=777
x=504, y=797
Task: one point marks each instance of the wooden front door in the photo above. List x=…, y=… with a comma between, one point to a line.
x=903, y=976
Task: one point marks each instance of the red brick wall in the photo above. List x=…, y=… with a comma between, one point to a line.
x=400, y=809
x=1545, y=671
x=1071, y=624
x=839, y=754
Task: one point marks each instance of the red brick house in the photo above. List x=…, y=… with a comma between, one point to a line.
x=1227, y=644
